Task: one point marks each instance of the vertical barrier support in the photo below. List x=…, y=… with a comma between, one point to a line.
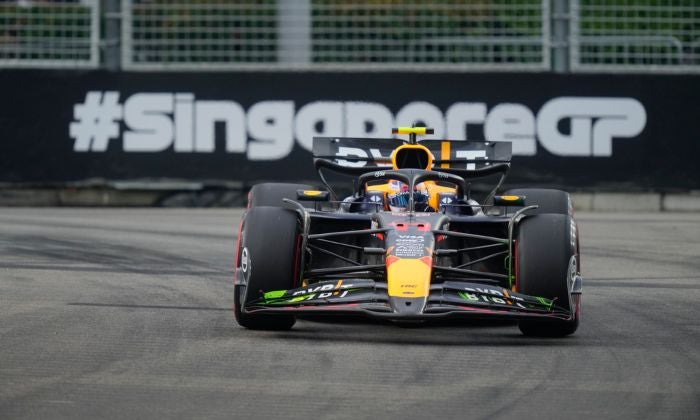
x=560, y=36
x=294, y=32
x=94, y=33
x=112, y=41
x=574, y=35
x=126, y=34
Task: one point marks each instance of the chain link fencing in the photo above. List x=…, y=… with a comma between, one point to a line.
x=358, y=35
x=191, y=34
x=640, y=35
x=431, y=35
x=55, y=34
x=336, y=34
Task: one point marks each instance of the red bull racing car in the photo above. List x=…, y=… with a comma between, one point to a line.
x=410, y=243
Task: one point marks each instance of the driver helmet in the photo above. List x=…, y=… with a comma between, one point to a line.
x=398, y=200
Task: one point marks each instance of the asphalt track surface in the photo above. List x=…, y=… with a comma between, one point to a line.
x=126, y=314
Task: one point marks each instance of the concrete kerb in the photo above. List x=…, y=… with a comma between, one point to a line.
x=636, y=202
x=681, y=202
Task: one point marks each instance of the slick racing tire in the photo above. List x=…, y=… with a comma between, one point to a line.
x=271, y=194
x=267, y=261
x=546, y=265
x=549, y=201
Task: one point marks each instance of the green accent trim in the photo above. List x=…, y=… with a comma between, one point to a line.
x=275, y=294
x=465, y=296
x=511, y=277
x=272, y=298
x=547, y=302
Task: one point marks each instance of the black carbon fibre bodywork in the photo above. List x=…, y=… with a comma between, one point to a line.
x=459, y=259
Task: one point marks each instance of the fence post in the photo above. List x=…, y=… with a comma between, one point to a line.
x=560, y=36
x=112, y=35
x=294, y=32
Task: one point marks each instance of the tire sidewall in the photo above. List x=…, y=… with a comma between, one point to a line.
x=271, y=194
x=547, y=264
x=546, y=248
x=547, y=200
x=267, y=261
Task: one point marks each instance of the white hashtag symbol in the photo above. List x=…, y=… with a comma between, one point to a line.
x=96, y=121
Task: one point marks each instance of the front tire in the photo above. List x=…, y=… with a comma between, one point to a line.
x=267, y=260
x=548, y=200
x=546, y=252
x=272, y=194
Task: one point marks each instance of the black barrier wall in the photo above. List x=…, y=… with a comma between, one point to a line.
x=610, y=131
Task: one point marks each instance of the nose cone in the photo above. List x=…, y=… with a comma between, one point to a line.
x=408, y=306
x=408, y=277
x=408, y=281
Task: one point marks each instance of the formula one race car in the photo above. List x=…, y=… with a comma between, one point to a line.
x=411, y=243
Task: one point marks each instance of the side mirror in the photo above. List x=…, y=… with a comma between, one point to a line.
x=509, y=200
x=312, y=195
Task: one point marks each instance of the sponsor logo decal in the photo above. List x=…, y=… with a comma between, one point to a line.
x=338, y=289
x=269, y=130
x=409, y=246
x=245, y=260
x=503, y=297
x=326, y=290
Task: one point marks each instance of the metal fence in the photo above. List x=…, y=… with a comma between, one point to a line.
x=52, y=34
x=186, y=34
x=336, y=34
x=440, y=35
x=357, y=35
x=641, y=35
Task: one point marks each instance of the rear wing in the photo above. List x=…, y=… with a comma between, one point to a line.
x=354, y=156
